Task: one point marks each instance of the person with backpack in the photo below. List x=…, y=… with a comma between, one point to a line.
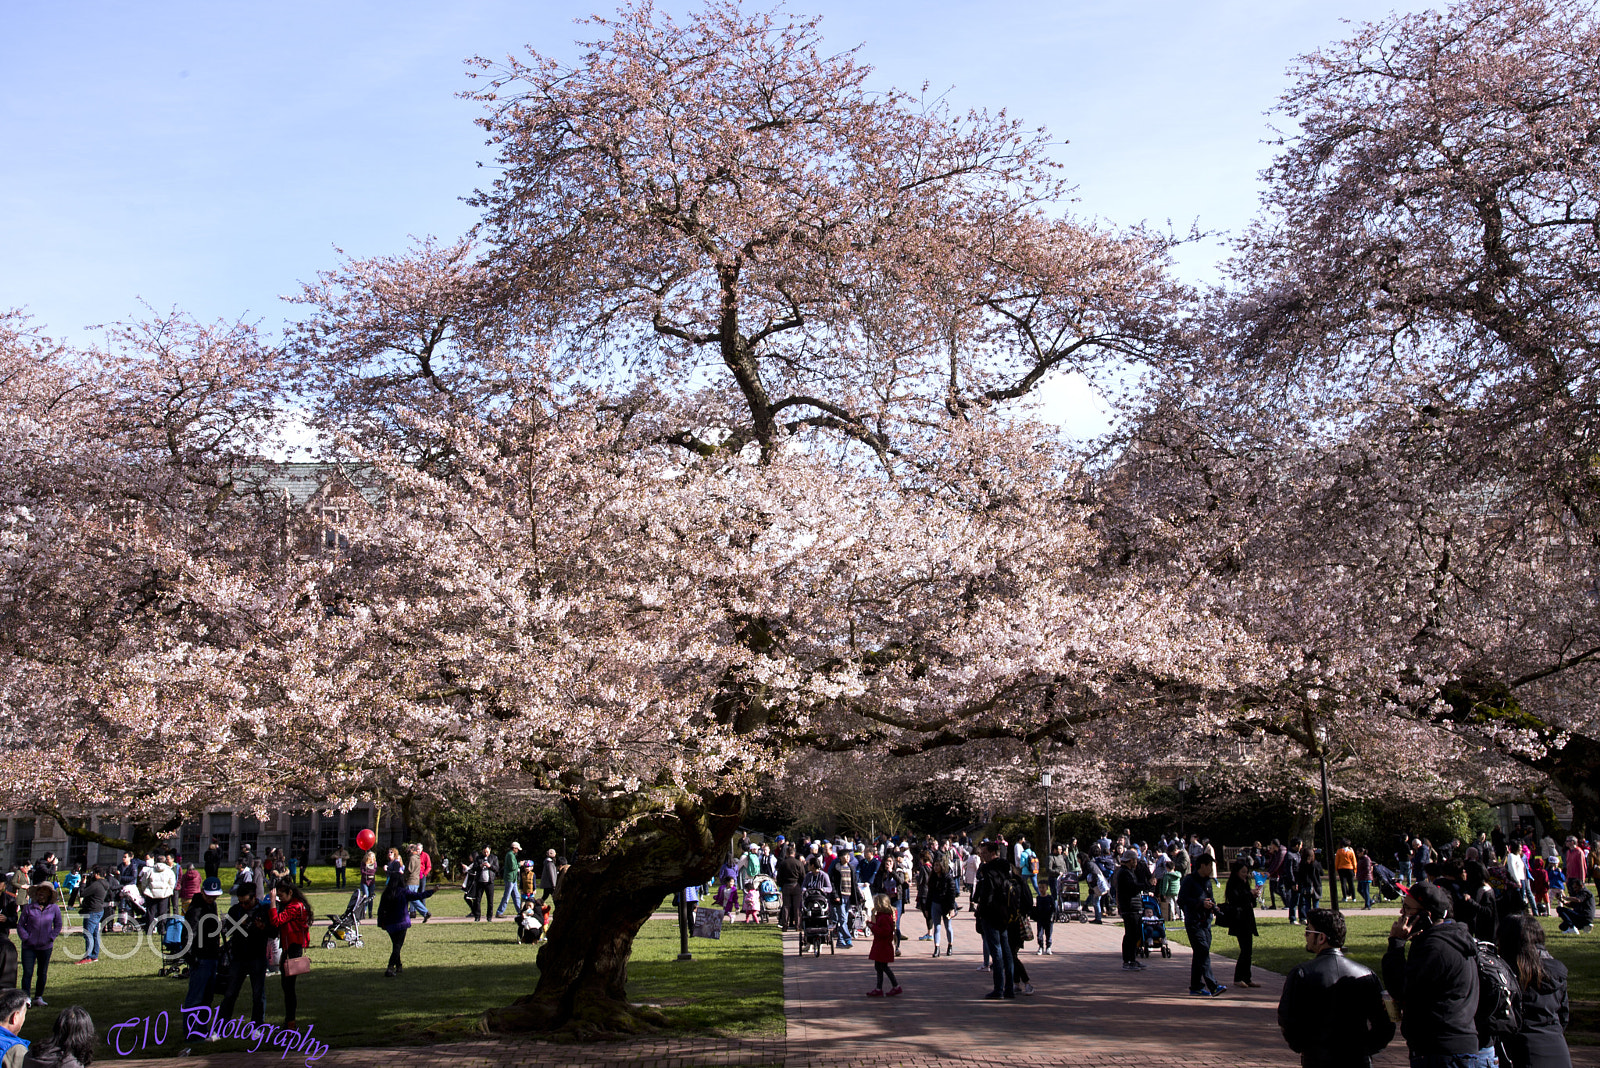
x=1542, y=1003
x=1331, y=1011
x=1431, y=969
x=995, y=903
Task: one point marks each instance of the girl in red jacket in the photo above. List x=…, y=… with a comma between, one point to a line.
x=882, y=953
x=290, y=916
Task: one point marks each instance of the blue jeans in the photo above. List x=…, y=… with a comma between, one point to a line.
x=1200, y=977
x=256, y=971
x=997, y=944
x=417, y=907
x=1365, y=886
x=32, y=958
x=841, y=917
x=91, y=935
x=1484, y=1058
x=512, y=895
x=202, y=977
x=936, y=913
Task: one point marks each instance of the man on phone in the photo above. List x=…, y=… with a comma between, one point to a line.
x=1431, y=971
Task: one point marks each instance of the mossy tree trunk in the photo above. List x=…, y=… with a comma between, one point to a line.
x=630, y=855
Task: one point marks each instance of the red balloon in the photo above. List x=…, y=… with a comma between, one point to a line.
x=365, y=839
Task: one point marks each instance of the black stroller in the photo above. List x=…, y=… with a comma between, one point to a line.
x=1388, y=882
x=345, y=928
x=175, y=946
x=1069, y=909
x=816, y=922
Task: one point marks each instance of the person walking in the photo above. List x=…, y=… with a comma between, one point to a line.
x=882, y=929
x=1241, y=896
x=1194, y=899
x=1541, y=1042
x=942, y=902
x=289, y=914
x=790, y=872
x=341, y=860
x=91, y=910
x=417, y=872
x=1364, y=878
x=1129, y=908
x=38, y=925
x=394, y=916
x=510, y=864
x=1344, y=867
x=1331, y=1011
x=550, y=875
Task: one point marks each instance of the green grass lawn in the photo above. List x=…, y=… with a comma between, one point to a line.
x=453, y=972
x=1279, y=947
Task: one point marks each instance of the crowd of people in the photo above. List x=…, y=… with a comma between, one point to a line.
x=1469, y=913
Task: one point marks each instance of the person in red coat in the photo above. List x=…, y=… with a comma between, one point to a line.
x=290, y=917
x=881, y=955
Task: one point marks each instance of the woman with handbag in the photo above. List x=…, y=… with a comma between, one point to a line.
x=1239, y=901
x=289, y=914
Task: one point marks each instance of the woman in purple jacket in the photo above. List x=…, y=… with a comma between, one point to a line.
x=39, y=925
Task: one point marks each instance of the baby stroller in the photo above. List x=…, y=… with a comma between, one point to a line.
x=770, y=899
x=1388, y=882
x=531, y=921
x=816, y=922
x=1152, y=928
x=345, y=928
x=175, y=947
x=1069, y=909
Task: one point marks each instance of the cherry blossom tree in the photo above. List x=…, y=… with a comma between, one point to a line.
x=1419, y=302
x=724, y=465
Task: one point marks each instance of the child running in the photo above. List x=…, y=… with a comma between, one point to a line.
x=752, y=902
x=882, y=952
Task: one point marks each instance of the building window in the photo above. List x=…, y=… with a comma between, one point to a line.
x=328, y=836
x=299, y=833
x=189, y=841
x=24, y=852
x=250, y=834
x=335, y=529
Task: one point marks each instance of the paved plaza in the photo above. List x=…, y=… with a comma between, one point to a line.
x=1085, y=1010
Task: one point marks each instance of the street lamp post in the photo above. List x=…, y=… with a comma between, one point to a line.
x=1327, y=818
x=1044, y=781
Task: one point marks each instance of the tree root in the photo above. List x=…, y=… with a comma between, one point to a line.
x=593, y=1018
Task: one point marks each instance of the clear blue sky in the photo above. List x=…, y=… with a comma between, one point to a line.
x=210, y=155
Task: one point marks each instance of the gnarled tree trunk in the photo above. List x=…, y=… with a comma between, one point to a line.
x=630, y=855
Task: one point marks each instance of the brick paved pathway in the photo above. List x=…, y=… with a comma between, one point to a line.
x=1085, y=1011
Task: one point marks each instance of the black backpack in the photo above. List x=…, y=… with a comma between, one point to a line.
x=1499, y=1014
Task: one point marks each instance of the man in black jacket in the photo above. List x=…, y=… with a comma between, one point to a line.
x=1435, y=984
x=1331, y=1011
x=790, y=872
x=995, y=902
x=247, y=933
x=1194, y=898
